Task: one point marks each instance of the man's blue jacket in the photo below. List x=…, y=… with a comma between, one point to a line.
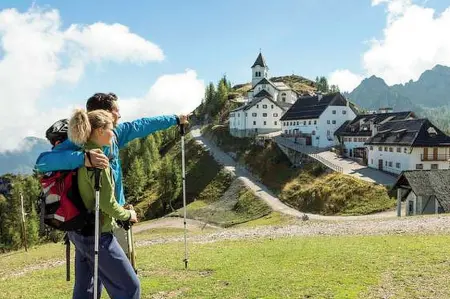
x=68, y=156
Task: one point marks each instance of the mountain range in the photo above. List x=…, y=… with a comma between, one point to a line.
x=22, y=162
x=431, y=90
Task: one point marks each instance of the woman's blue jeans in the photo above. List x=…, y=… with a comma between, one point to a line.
x=115, y=272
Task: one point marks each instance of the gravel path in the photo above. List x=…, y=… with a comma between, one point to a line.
x=418, y=225
x=261, y=190
x=429, y=225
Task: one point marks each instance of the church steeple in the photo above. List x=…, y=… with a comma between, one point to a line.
x=260, y=61
x=260, y=69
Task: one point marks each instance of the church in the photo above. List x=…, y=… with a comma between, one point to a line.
x=266, y=103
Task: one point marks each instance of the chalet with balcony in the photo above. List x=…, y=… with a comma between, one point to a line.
x=409, y=144
x=353, y=134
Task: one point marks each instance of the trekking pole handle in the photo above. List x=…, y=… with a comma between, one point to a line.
x=182, y=129
x=97, y=172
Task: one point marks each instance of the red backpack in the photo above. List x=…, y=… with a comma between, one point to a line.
x=61, y=205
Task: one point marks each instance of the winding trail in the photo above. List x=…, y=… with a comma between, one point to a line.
x=262, y=191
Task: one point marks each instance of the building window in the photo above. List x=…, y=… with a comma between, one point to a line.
x=390, y=163
x=328, y=121
x=419, y=166
x=298, y=122
x=264, y=114
x=333, y=122
x=283, y=97
x=254, y=114
x=397, y=165
x=371, y=148
x=315, y=122
x=380, y=149
x=275, y=123
x=399, y=149
x=405, y=150
x=385, y=149
x=285, y=132
x=385, y=163
x=391, y=149
x=254, y=123
x=231, y=114
x=290, y=124
x=371, y=161
x=309, y=122
x=434, y=166
x=245, y=113
x=355, y=139
x=271, y=106
x=239, y=115
x=264, y=106
x=334, y=111
x=304, y=123
x=257, y=106
x=264, y=122
x=275, y=115
x=344, y=112
x=313, y=132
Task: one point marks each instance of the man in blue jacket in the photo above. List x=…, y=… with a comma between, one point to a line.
x=68, y=156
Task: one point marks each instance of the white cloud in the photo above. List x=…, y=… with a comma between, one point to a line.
x=171, y=94
x=100, y=41
x=415, y=39
x=36, y=53
x=345, y=79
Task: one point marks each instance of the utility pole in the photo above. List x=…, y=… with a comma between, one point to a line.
x=24, y=229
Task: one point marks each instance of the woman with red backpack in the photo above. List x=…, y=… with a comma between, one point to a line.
x=94, y=130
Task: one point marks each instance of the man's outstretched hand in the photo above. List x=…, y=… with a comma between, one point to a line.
x=96, y=158
x=184, y=119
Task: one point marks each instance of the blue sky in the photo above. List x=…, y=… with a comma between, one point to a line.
x=345, y=40
x=218, y=37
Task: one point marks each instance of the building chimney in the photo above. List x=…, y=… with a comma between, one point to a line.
x=319, y=96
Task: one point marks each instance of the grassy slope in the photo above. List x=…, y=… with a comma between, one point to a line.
x=300, y=267
x=308, y=189
x=237, y=205
x=206, y=187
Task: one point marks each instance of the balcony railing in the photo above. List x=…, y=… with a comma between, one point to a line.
x=431, y=157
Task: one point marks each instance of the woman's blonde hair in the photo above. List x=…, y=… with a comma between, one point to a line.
x=82, y=124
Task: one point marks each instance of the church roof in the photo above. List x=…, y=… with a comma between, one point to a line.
x=263, y=93
x=260, y=61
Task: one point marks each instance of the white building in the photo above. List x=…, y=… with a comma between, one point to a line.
x=313, y=120
x=353, y=135
x=408, y=145
x=260, y=116
x=267, y=101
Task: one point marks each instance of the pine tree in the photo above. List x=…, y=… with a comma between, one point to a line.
x=136, y=179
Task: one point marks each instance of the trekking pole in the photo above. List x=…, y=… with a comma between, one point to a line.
x=131, y=248
x=24, y=227
x=183, y=132
x=67, y=243
x=97, y=173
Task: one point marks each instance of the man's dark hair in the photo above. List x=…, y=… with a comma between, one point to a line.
x=103, y=101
